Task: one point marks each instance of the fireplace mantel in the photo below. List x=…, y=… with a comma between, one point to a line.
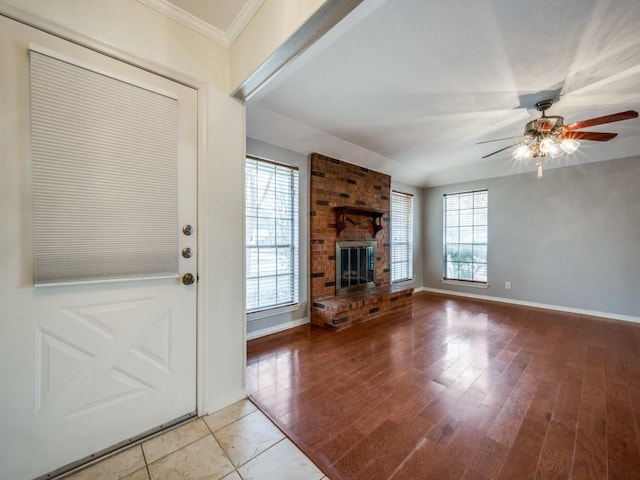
x=342, y=218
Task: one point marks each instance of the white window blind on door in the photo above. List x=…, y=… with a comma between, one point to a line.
x=104, y=176
x=401, y=236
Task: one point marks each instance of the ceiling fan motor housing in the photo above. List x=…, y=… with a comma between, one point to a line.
x=552, y=125
x=543, y=105
x=543, y=127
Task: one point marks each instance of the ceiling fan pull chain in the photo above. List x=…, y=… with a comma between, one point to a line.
x=539, y=166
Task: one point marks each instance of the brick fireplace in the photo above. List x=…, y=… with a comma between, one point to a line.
x=351, y=205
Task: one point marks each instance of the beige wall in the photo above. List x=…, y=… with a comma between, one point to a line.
x=273, y=23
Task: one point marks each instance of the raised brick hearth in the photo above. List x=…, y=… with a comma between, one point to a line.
x=365, y=196
x=343, y=310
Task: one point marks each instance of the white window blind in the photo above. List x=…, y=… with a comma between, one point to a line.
x=104, y=176
x=401, y=237
x=465, y=236
x=271, y=217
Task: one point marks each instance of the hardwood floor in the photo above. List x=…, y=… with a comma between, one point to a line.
x=463, y=389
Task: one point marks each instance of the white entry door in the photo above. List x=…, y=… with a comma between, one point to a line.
x=86, y=366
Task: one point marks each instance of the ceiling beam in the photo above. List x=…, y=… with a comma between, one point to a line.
x=327, y=16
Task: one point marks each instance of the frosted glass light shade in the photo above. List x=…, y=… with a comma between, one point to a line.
x=522, y=152
x=555, y=151
x=546, y=144
x=569, y=145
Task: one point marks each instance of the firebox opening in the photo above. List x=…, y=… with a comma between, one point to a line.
x=355, y=265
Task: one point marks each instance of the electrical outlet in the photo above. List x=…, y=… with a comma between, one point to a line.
x=507, y=285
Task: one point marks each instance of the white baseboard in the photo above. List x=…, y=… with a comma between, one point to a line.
x=580, y=311
x=224, y=401
x=277, y=328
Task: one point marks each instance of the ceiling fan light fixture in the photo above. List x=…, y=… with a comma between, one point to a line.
x=547, y=145
x=569, y=145
x=555, y=150
x=523, y=152
x=548, y=136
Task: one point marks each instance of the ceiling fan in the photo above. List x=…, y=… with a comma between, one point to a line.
x=548, y=136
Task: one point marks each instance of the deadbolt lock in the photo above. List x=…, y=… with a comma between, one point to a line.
x=187, y=252
x=187, y=229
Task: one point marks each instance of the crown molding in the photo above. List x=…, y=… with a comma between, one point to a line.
x=242, y=19
x=225, y=38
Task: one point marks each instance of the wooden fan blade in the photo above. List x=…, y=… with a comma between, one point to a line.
x=614, y=117
x=502, y=150
x=596, y=136
x=499, y=139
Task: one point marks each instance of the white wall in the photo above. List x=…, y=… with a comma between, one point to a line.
x=138, y=34
x=568, y=240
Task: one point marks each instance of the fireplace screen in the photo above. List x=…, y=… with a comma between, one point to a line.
x=355, y=264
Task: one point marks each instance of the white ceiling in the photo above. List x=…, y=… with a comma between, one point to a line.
x=408, y=87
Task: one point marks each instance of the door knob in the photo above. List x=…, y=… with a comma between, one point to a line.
x=188, y=279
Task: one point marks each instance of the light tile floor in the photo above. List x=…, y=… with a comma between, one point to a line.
x=236, y=443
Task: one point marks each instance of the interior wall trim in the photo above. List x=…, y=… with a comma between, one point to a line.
x=277, y=328
x=225, y=401
x=326, y=17
x=558, y=308
x=224, y=37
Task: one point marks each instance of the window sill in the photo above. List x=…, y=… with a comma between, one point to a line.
x=462, y=283
x=272, y=312
x=406, y=281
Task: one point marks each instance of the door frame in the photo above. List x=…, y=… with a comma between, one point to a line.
x=29, y=19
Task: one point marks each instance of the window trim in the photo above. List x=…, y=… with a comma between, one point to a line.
x=275, y=309
x=272, y=311
x=459, y=281
x=466, y=283
x=273, y=162
x=410, y=265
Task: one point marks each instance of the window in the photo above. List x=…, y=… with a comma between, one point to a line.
x=271, y=197
x=401, y=236
x=465, y=236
